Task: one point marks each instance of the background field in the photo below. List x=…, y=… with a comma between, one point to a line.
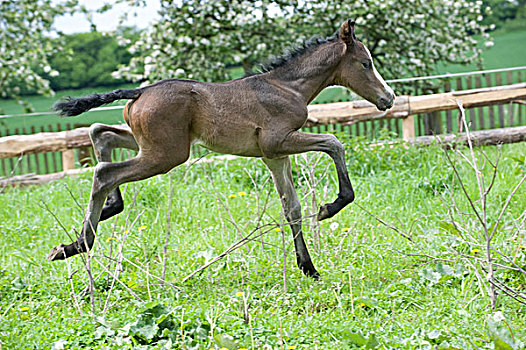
x=378, y=289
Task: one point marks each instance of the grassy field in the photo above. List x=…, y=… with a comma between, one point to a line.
x=506, y=52
x=402, y=268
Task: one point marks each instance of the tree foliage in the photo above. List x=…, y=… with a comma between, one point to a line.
x=201, y=39
x=88, y=59
x=26, y=28
x=499, y=11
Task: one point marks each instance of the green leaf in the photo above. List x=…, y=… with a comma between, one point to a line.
x=356, y=339
x=448, y=227
x=441, y=272
x=145, y=329
x=18, y=284
x=150, y=322
x=151, y=305
x=103, y=331
x=226, y=341
x=372, y=342
x=359, y=340
x=167, y=333
x=444, y=270
x=108, y=324
x=519, y=160
x=434, y=334
x=501, y=336
x=430, y=275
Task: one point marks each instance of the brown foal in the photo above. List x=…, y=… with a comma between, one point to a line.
x=256, y=116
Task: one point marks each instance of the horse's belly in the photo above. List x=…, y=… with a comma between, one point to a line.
x=237, y=141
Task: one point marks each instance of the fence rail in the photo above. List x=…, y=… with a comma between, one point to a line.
x=478, y=138
x=504, y=115
x=344, y=113
x=332, y=113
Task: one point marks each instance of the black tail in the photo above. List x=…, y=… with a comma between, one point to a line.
x=74, y=106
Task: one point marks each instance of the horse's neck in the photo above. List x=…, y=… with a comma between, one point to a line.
x=312, y=72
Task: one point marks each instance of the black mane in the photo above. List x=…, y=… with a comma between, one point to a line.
x=294, y=53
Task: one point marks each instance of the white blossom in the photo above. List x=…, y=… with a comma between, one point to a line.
x=415, y=34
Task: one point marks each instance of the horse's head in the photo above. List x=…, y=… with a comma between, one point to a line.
x=357, y=72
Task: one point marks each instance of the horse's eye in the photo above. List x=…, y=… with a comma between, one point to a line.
x=366, y=64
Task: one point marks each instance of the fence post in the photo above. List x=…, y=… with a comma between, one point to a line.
x=85, y=158
x=408, y=128
x=433, y=123
x=68, y=159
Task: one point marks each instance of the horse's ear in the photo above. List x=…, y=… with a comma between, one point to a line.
x=347, y=31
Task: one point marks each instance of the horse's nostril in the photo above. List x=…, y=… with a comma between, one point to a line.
x=390, y=94
x=384, y=102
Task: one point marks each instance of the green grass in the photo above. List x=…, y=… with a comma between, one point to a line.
x=44, y=104
x=373, y=288
x=507, y=51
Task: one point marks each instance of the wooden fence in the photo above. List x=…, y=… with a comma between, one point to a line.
x=43, y=164
x=482, y=118
x=480, y=137
x=426, y=122
x=340, y=114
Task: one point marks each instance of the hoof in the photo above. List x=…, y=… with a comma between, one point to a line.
x=314, y=275
x=57, y=253
x=309, y=270
x=324, y=213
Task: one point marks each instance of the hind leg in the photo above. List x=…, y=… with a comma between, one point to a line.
x=108, y=176
x=106, y=138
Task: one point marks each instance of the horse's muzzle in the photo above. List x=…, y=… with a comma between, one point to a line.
x=385, y=102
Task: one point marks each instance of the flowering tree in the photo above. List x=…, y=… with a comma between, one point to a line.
x=201, y=39
x=26, y=44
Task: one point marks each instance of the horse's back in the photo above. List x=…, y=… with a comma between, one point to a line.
x=224, y=117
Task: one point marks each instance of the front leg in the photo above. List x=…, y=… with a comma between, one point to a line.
x=282, y=175
x=274, y=146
